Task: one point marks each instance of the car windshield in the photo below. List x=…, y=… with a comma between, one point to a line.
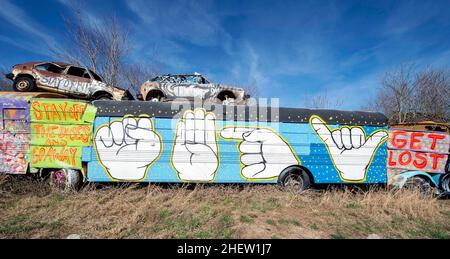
x=194, y=80
x=49, y=67
x=181, y=79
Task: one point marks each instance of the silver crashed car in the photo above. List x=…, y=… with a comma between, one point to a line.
x=170, y=87
x=59, y=77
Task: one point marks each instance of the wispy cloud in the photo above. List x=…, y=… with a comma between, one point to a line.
x=14, y=15
x=246, y=68
x=171, y=25
x=408, y=15
x=25, y=44
x=191, y=21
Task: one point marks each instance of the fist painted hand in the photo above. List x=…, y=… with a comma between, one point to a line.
x=264, y=153
x=350, y=149
x=127, y=147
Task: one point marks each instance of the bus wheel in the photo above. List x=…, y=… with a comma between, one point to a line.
x=295, y=180
x=65, y=179
x=445, y=183
x=419, y=184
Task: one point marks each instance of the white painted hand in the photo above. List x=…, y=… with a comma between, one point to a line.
x=194, y=154
x=126, y=148
x=264, y=153
x=350, y=150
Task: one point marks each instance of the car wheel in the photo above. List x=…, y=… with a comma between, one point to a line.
x=419, y=184
x=155, y=99
x=24, y=84
x=445, y=183
x=295, y=181
x=65, y=179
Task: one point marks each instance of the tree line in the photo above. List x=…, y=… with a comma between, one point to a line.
x=409, y=94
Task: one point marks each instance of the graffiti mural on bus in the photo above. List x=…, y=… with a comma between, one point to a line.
x=203, y=149
x=414, y=151
x=350, y=148
x=60, y=129
x=195, y=152
x=264, y=154
x=14, y=135
x=126, y=148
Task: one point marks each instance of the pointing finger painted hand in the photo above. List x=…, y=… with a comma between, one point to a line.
x=264, y=154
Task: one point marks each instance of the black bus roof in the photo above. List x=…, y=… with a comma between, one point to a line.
x=240, y=113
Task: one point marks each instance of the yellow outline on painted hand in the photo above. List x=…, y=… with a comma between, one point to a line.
x=133, y=133
x=350, y=150
x=195, y=151
x=262, y=151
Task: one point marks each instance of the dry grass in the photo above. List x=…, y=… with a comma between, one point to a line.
x=29, y=209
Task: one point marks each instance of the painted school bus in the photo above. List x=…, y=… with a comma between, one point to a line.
x=132, y=141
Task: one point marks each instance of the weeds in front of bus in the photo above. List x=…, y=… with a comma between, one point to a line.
x=31, y=210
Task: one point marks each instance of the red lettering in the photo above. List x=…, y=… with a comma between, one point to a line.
x=436, y=158
x=399, y=143
x=415, y=141
x=435, y=138
x=391, y=162
x=420, y=156
x=402, y=155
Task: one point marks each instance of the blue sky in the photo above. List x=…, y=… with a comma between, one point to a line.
x=290, y=49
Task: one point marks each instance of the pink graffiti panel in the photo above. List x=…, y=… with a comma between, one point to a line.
x=14, y=136
x=418, y=150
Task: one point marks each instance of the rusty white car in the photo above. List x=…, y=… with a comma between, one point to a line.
x=66, y=79
x=171, y=87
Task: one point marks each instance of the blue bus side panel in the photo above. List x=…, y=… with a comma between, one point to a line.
x=303, y=140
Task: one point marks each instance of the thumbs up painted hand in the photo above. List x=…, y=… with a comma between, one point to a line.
x=350, y=150
x=264, y=153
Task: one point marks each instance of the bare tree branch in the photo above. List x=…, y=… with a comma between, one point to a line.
x=409, y=95
x=321, y=101
x=136, y=74
x=101, y=46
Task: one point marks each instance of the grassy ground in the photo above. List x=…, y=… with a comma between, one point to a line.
x=29, y=209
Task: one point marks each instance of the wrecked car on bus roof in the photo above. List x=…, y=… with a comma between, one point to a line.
x=66, y=79
x=170, y=87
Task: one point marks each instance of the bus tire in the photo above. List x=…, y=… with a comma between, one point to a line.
x=445, y=183
x=65, y=180
x=420, y=184
x=294, y=179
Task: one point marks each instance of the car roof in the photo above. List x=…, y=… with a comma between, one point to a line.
x=181, y=75
x=61, y=64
